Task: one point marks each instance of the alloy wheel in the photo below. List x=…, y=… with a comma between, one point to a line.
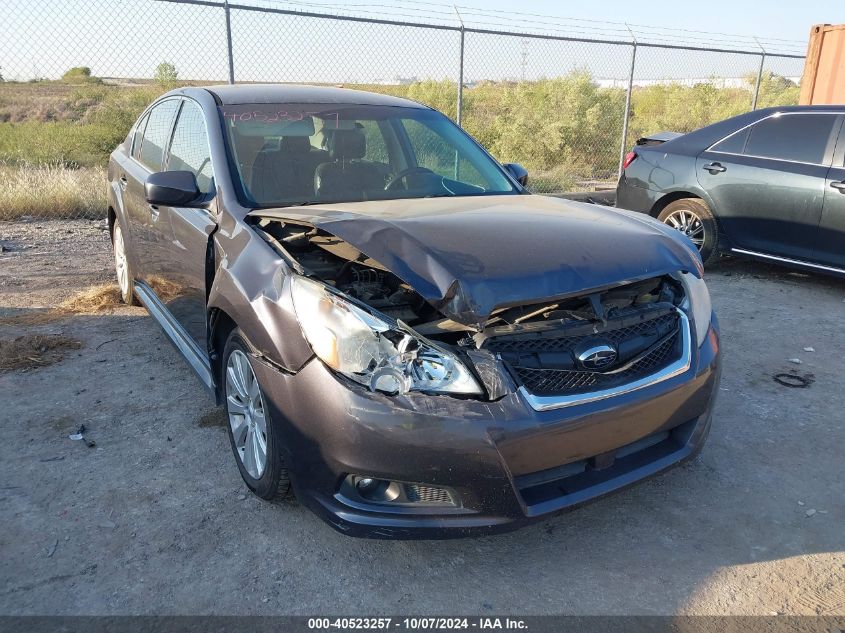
x=247, y=417
x=688, y=223
x=120, y=265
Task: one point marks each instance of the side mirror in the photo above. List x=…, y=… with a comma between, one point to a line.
x=172, y=188
x=519, y=173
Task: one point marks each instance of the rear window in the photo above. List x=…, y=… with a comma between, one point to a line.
x=139, y=136
x=796, y=137
x=734, y=144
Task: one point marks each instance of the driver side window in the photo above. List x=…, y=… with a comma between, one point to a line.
x=189, y=148
x=376, y=146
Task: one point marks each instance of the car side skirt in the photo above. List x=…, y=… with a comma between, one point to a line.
x=788, y=261
x=198, y=361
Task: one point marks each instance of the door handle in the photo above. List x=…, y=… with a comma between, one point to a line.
x=715, y=168
x=839, y=185
x=154, y=212
x=123, y=183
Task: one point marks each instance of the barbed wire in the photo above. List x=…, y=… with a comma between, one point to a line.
x=522, y=21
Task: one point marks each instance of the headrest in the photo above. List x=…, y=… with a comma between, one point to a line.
x=265, y=126
x=347, y=144
x=295, y=144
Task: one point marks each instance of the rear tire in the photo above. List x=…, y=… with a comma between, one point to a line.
x=122, y=267
x=255, y=439
x=693, y=217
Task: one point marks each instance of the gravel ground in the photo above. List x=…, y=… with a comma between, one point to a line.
x=155, y=520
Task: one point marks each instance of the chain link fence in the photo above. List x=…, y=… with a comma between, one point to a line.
x=565, y=100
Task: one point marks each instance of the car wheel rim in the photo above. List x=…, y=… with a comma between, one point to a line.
x=689, y=224
x=247, y=417
x=120, y=264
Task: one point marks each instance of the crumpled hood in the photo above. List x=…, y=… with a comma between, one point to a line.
x=470, y=255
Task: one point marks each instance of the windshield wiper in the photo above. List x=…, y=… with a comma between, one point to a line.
x=307, y=203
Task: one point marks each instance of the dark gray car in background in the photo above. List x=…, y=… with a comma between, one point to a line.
x=402, y=336
x=768, y=184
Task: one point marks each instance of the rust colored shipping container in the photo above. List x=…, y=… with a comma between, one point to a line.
x=824, y=70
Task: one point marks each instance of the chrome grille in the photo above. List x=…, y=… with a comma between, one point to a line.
x=567, y=343
x=558, y=381
x=545, y=364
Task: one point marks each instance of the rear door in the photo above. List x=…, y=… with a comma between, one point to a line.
x=128, y=172
x=181, y=267
x=830, y=246
x=767, y=182
x=147, y=157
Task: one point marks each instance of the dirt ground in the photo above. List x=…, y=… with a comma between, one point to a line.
x=154, y=518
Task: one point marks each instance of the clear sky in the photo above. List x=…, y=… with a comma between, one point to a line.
x=128, y=38
x=773, y=19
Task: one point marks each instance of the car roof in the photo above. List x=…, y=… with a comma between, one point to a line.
x=694, y=142
x=801, y=108
x=297, y=93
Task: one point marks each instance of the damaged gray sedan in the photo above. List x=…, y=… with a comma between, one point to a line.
x=403, y=337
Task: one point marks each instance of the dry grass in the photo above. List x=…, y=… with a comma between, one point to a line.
x=96, y=299
x=44, y=101
x=34, y=350
x=51, y=191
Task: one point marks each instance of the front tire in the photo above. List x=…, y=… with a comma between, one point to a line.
x=693, y=218
x=255, y=439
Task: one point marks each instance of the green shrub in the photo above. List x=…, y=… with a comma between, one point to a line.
x=80, y=74
x=166, y=74
x=564, y=130
x=80, y=130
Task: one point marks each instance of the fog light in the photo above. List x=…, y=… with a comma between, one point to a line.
x=401, y=495
x=366, y=485
x=379, y=490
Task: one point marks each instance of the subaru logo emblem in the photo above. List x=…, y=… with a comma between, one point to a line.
x=596, y=356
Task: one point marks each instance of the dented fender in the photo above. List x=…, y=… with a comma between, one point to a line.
x=251, y=287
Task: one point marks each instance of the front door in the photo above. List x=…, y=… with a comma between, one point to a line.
x=180, y=281
x=767, y=182
x=830, y=246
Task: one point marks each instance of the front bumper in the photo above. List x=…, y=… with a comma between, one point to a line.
x=506, y=463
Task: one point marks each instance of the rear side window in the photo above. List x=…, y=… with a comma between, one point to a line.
x=189, y=148
x=156, y=134
x=734, y=144
x=796, y=137
x=139, y=135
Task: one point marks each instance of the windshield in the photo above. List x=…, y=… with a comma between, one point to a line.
x=289, y=154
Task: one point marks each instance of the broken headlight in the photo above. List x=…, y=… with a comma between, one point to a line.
x=373, y=350
x=699, y=308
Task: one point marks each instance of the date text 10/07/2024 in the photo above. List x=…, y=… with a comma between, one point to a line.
x=418, y=624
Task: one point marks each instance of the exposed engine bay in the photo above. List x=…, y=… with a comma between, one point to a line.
x=335, y=262
x=339, y=264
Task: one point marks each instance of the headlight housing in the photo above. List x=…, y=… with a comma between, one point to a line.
x=372, y=349
x=697, y=304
